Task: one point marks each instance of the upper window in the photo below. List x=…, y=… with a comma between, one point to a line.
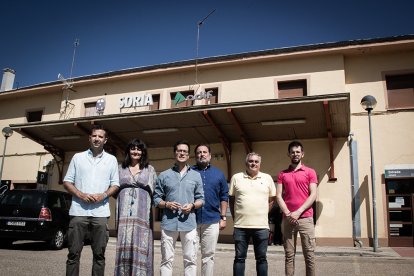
x=179, y=99
x=212, y=95
x=400, y=90
x=155, y=102
x=90, y=109
x=34, y=116
x=290, y=89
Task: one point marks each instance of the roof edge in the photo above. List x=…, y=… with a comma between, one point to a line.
x=230, y=57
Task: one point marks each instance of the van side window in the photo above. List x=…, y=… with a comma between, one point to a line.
x=54, y=201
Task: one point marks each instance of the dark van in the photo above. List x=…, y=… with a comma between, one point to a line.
x=41, y=215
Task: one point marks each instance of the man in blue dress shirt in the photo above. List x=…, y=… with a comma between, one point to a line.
x=211, y=218
x=179, y=191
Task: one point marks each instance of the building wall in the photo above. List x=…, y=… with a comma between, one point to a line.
x=358, y=74
x=245, y=82
x=390, y=128
x=24, y=157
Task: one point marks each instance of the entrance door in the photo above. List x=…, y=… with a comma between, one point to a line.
x=400, y=198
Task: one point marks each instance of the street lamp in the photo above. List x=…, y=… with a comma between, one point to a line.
x=7, y=132
x=368, y=103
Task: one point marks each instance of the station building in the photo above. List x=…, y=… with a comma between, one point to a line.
x=255, y=101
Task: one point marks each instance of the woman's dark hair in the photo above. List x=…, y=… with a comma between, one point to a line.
x=143, y=162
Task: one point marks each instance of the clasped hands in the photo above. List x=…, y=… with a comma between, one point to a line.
x=175, y=206
x=293, y=217
x=92, y=198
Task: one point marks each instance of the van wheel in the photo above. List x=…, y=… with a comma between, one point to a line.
x=58, y=240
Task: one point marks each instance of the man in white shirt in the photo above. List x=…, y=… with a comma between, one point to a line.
x=252, y=194
x=91, y=178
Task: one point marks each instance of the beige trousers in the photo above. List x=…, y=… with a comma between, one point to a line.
x=306, y=230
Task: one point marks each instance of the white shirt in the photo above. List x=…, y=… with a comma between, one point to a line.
x=92, y=175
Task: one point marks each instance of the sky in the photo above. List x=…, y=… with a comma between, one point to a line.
x=38, y=37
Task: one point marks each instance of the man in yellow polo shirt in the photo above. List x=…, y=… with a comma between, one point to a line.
x=252, y=194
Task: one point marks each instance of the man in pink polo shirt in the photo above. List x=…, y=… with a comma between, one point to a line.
x=295, y=194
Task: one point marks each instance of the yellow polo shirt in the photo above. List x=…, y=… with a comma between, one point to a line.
x=251, y=205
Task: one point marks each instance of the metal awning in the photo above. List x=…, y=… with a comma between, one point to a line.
x=321, y=116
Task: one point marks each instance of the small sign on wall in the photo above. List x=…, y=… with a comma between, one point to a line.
x=399, y=173
x=42, y=178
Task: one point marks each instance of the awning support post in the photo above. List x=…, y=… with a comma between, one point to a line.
x=224, y=141
x=330, y=141
x=242, y=133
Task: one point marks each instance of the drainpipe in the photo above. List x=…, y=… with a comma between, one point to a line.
x=356, y=202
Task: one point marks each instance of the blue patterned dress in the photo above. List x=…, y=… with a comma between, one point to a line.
x=135, y=244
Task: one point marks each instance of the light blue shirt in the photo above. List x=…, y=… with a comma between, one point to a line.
x=186, y=189
x=92, y=176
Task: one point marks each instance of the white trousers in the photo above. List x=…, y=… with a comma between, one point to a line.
x=207, y=235
x=189, y=247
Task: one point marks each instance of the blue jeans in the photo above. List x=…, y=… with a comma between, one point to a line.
x=241, y=238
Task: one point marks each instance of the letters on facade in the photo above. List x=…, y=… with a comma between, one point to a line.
x=136, y=101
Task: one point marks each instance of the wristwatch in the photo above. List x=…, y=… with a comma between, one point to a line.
x=223, y=218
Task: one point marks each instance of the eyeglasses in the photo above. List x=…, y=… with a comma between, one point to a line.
x=181, y=151
x=253, y=161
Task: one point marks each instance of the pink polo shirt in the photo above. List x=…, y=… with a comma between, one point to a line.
x=296, y=187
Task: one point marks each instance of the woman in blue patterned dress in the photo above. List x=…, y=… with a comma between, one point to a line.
x=135, y=245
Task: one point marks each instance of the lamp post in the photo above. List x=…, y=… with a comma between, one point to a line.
x=7, y=132
x=368, y=103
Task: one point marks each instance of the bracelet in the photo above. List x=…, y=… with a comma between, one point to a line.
x=166, y=207
x=193, y=208
x=105, y=195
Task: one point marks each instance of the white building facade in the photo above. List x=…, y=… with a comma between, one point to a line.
x=256, y=101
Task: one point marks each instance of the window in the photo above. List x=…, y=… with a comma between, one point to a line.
x=54, y=201
x=155, y=102
x=181, y=101
x=34, y=116
x=90, y=109
x=214, y=95
x=400, y=91
x=290, y=89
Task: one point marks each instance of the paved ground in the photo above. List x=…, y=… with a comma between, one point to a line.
x=35, y=258
x=394, y=252
x=404, y=251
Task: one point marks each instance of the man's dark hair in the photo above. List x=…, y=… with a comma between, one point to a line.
x=98, y=127
x=143, y=162
x=295, y=144
x=200, y=145
x=181, y=142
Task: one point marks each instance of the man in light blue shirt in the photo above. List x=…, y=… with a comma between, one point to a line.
x=91, y=178
x=179, y=191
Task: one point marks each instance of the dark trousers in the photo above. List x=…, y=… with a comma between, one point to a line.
x=99, y=235
x=241, y=238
